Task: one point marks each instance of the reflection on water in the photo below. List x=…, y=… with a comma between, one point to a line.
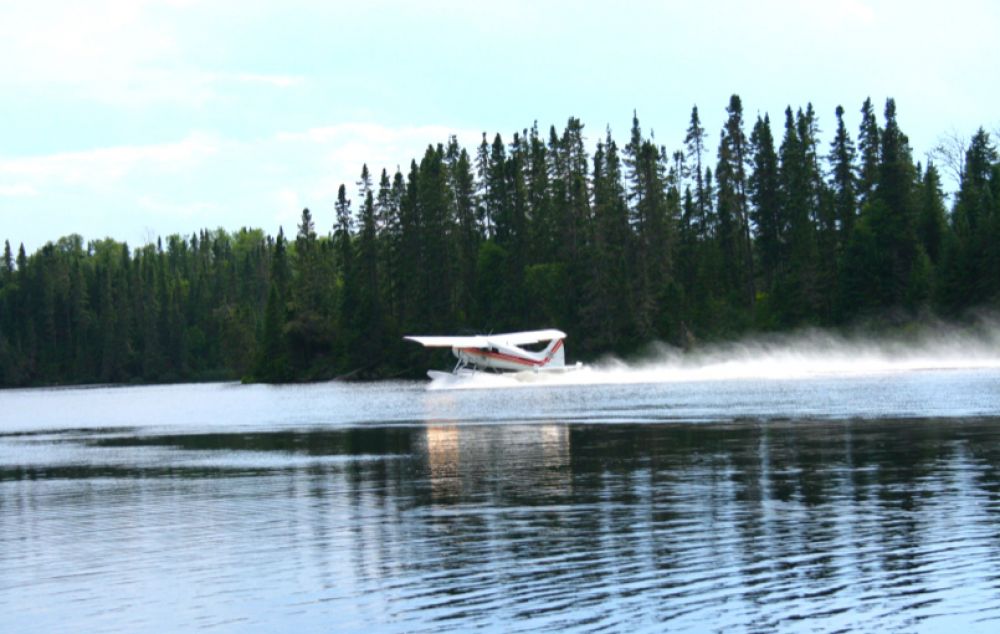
x=530, y=455
x=756, y=526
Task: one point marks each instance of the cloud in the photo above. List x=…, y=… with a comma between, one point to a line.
x=121, y=52
x=18, y=190
x=277, y=81
x=337, y=152
x=79, y=42
x=102, y=167
x=188, y=210
x=204, y=180
x=371, y=133
x=846, y=11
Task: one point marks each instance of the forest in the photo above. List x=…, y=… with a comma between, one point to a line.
x=768, y=229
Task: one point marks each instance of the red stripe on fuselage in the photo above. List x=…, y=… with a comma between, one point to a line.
x=511, y=358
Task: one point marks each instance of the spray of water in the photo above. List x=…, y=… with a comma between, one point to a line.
x=801, y=355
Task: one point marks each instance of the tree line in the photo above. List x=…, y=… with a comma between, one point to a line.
x=618, y=247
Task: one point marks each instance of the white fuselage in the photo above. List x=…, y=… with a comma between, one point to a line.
x=511, y=358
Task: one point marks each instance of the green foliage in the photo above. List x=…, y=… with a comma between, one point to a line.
x=618, y=249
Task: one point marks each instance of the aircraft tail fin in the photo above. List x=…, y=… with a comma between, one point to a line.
x=555, y=354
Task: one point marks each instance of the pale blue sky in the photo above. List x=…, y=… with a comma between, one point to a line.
x=138, y=118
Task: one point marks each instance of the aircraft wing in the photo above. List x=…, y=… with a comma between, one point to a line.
x=529, y=336
x=486, y=341
x=475, y=341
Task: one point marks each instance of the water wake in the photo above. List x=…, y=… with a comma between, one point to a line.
x=805, y=354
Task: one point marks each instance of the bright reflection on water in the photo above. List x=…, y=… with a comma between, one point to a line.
x=841, y=503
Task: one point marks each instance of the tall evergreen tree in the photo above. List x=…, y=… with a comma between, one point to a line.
x=8, y=262
x=765, y=196
x=344, y=248
x=733, y=208
x=843, y=182
x=737, y=160
x=972, y=260
x=869, y=148
x=366, y=318
x=468, y=232
x=610, y=310
x=436, y=241
x=797, y=291
x=496, y=198
x=932, y=223
x=653, y=226
x=694, y=142
x=543, y=228
x=896, y=225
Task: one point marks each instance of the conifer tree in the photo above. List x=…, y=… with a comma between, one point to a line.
x=272, y=360
x=895, y=222
x=765, y=196
x=729, y=231
x=8, y=262
x=578, y=197
x=386, y=229
x=482, y=192
x=611, y=307
x=516, y=245
x=843, y=180
x=796, y=290
x=468, y=235
x=497, y=201
x=869, y=148
x=364, y=322
x=733, y=212
x=652, y=225
x=971, y=267
x=694, y=141
x=932, y=224
x=543, y=230
x=344, y=248
x=435, y=243
x=737, y=159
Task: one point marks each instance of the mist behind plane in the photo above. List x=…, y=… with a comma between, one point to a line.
x=802, y=355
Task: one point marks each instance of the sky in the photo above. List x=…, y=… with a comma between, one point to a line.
x=133, y=119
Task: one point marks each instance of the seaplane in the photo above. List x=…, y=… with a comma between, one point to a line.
x=502, y=353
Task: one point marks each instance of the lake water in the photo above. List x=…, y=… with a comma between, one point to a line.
x=761, y=498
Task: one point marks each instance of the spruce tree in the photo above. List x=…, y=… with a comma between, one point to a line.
x=765, y=196
x=932, y=224
x=345, y=256
x=896, y=225
x=694, y=141
x=435, y=243
x=272, y=360
x=843, y=182
x=972, y=262
x=733, y=211
x=610, y=309
x=468, y=233
x=869, y=149
x=796, y=290
x=543, y=227
x=737, y=160
x=364, y=322
x=8, y=262
x=497, y=200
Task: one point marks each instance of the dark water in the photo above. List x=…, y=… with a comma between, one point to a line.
x=865, y=503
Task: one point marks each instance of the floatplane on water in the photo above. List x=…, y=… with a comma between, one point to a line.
x=502, y=353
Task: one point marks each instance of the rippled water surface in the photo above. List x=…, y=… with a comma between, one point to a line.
x=866, y=501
